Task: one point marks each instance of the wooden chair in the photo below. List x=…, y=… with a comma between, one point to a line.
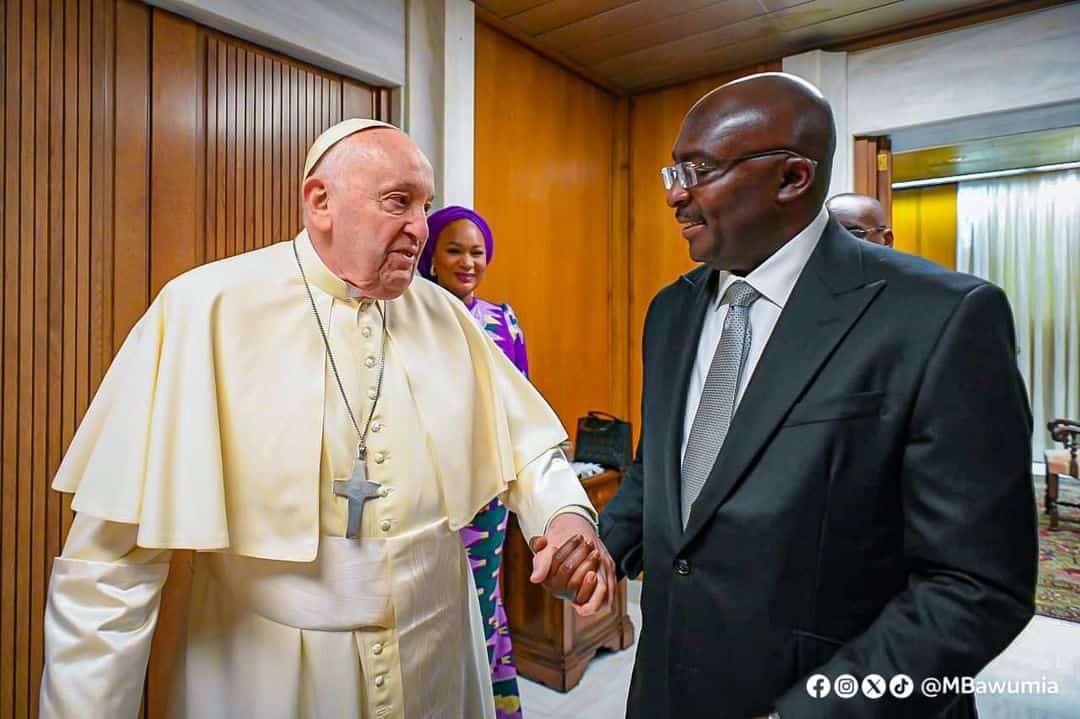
x=1061, y=462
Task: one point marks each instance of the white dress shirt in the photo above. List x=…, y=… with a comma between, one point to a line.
x=773, y=279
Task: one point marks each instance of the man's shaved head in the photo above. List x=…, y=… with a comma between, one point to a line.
x=863, y=216
x=744, y=209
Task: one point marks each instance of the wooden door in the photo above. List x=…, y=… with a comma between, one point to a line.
x=873, y=170
x=231, y=126
x=135, y=145
x=74, y=273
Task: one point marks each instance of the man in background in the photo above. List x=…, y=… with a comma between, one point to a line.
x=862, y=216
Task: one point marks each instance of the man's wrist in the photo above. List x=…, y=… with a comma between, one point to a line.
x=579, y=511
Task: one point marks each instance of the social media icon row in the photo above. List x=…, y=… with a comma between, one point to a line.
x=873, y=686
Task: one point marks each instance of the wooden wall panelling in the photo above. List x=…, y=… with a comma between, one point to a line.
x=552, y=159
x=619, y=261
x=131, y=220
x=176, y=187
x=74, y=275
x=11, y=77
x=357, y=100
x=873, y=170
x=658, y=254
x=94, y=216
x=544, y=140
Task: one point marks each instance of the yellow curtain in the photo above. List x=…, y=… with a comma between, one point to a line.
x=924, y=223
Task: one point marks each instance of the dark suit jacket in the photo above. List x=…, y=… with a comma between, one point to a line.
x=871, y=510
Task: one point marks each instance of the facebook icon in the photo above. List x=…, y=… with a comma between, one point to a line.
x=818, y=686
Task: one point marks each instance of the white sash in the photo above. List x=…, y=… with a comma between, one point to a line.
x=347, y=587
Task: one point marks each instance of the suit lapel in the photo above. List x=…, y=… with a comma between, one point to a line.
x=829, y=297
x=684, y=332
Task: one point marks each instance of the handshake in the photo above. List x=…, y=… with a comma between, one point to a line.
x=573, y=564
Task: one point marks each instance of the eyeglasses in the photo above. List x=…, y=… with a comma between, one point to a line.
x=688, y=174
x=863, y=232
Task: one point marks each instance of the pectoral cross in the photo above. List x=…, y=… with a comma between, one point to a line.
x=358, y=489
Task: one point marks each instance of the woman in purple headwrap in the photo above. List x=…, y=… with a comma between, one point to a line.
x=459, y=249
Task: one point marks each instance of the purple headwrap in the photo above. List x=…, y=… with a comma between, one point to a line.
x=437, y=222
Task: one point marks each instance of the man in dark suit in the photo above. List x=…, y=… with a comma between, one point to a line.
x=833, y=476
x=862, y=216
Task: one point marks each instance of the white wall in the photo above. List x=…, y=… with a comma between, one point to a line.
x=422, y=49
x=1016, y=62
x=363, y=40
x=1023, y=61
x=828, y=72
x=437, y=101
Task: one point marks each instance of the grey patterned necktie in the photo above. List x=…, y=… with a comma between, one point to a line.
x=717, y=404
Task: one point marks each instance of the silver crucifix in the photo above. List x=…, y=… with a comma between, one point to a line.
x=358, y=489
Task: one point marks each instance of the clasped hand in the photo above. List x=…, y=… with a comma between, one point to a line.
x=573, y=564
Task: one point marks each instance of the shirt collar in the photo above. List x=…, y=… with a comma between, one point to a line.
x=775, y=277
x=318, y=274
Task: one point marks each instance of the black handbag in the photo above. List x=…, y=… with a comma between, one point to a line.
x=603, y=439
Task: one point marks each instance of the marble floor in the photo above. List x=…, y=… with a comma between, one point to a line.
x=1047, y=651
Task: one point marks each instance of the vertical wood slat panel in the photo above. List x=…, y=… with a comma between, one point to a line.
x=247, y=213
x=262, y=112
x=5, y=690
x=211, y=147
x=240, y=185
x=230, y=158
x=53, y=519
x=71, y=234
x=356, y=100
x=619, y=261
x=25, y=362
x=289, y=170
x=259, y=100
x=39, y=249
x=82, y=257
x=220, y=142
x=3, y=274
x=60, y=286
x=9, y=492
x=299, y=103
x=176, y=234
x=274, y=139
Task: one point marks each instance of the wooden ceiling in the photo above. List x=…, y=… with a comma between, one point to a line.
x=634, y=45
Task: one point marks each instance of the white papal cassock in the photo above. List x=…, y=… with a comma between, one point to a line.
x=220, y=428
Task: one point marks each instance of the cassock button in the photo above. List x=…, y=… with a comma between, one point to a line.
x=380, y=457
x=366, y=332
x=369, y=362
x=385, y=526
x=380, y=680
x=376, y=426
x=376, y=648
x=682, y=567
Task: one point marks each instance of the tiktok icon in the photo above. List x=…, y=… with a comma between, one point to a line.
x=901, y=686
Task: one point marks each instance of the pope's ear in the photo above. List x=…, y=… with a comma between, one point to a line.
x=316, y=203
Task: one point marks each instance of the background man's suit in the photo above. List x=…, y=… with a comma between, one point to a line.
x=871, y=510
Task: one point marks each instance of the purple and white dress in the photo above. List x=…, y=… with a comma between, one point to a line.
x=485, y=536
